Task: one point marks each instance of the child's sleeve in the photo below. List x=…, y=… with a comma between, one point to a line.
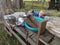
x=36, y=13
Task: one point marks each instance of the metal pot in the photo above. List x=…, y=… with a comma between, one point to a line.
x=11, y=20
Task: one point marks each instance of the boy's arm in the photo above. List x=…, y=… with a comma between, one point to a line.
x=36, y=13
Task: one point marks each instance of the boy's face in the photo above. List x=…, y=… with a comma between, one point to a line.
x=42, y=13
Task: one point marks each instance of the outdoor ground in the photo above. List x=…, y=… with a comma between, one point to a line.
x=5, y=39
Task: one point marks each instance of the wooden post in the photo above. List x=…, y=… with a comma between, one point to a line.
x=42, y=26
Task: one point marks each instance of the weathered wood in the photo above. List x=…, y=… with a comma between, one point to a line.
x=12, y=32
x=32, y=39
x=7, y=31
x=24, y=35
x=32, y=22
x=47, y=37
x=43, y=42
x=42, y=27
x=54, y=28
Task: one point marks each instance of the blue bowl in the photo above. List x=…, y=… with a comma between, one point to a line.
x=31, y=28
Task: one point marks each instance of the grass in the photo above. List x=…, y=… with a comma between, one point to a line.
x=33, y=6
x=38, y=6
x=5, y=39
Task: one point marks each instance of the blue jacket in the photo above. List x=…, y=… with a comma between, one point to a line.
x=36, y=13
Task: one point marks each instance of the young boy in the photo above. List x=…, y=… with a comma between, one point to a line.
x=40, y=14
x=43, y=14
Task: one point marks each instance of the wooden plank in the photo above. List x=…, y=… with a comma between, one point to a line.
x=7, y=31
x=54, y=33
x=42, y=26
x=54, y=28
x=20, y=32
x=18, y=38
x=47, y=36
x=44, y=38
x=31, y=21
x=24, y=36
x=43, y=41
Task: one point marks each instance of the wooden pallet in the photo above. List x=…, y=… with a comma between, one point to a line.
x=31, y=40
x=27, y=37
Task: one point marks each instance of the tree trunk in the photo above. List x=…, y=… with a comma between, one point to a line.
x=38, y=0
x=5, y=8
x=52, y=4
x=57, y=6
x=8, y=7
x=21, y=4
x=18, y=4
x=2, y=11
